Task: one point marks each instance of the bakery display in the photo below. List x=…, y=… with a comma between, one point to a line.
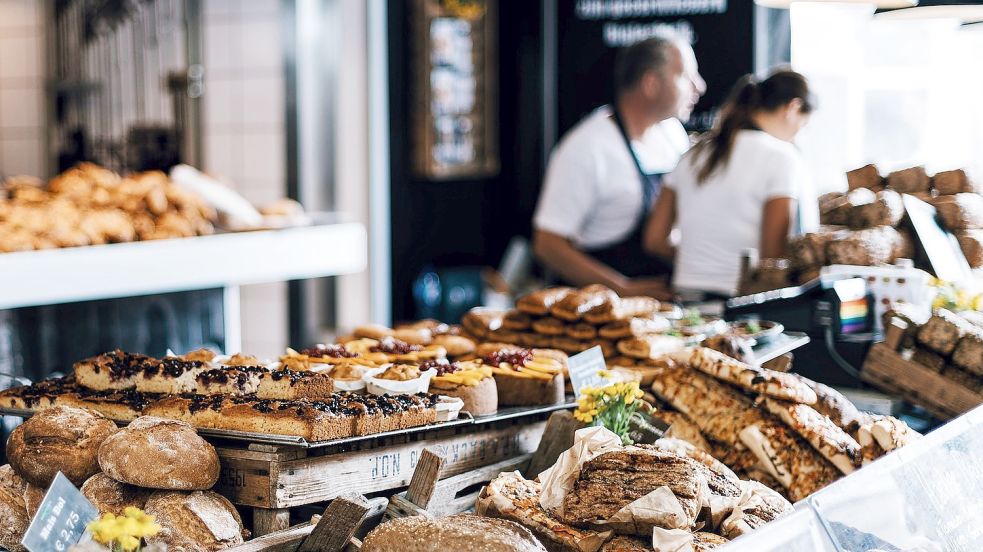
x=462, y=531
x=58, y=439
x=200, y=521
x=90, y=205
x=472, y=382
x=159, y=453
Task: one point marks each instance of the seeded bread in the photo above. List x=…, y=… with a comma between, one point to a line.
x=763, y=381
x=195, y=522
x=156, y=453
x=458, y=532
x=111, y=496
x=58, y=439
x=942, y=332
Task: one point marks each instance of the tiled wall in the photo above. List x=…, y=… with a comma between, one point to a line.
x=244, y=134
x=21, y=88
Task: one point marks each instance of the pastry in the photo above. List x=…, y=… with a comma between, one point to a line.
x=414, y=336
x=953, y=182
x=650, y=346
x=525, y=377
x=766, y=382
x=111, y=496
x=112, y=370
x=58, y=439
x=539, y=303
x=961, y=211
x=172, y=375
x=909, y=181
x=549, y=326
x=581, y=331
x=516, y=321
x=623, y=308
x=827, y=438
x=865, y=177
x=457, y=532
x=231, y=380
x=968, y=353
x=479, y=322
x=634, y=327
x=569, y=345
x=535, y=340
x=942, y=332
x=195, y=522
x=509, y=496
x=869, y=247
x=471, y=382
x=886, y=209
x=289, y=384
x=574, y=305
x=157, y=453
x=456, y=345
x=373, y=331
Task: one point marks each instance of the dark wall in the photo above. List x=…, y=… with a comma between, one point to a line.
x=465, y=222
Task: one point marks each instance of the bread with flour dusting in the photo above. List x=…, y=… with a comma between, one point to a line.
x=201, y=521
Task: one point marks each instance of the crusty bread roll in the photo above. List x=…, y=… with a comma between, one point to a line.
x=201, y=521
x=111, y=496
x=160, y=454
x=460, y=532
x=13, y=513
x=58, y=439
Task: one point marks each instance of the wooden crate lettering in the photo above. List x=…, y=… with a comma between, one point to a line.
x=385, y=465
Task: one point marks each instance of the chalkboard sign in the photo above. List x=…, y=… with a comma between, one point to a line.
x=589, y=33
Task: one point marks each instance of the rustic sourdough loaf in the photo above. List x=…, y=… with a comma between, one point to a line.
x=459, y=532
x=200, y=521
x=111, y=496
x=160, y=454
x=58, y=439
x=13, y=513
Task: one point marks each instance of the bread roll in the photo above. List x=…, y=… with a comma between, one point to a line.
x=58, y=439
x=111, y=496
x=909, y=181
x=200, y=521
x=13, y=513
x=865, y=177
x=460, y=532
x=160, y=454
x=953, y=182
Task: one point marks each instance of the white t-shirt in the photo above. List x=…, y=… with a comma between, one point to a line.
x=720, y=218
x=592, y=193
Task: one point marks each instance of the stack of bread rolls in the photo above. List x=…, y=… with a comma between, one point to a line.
x=160, y=466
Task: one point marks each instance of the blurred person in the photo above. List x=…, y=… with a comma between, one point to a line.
x=604, y=175
x=737, y=189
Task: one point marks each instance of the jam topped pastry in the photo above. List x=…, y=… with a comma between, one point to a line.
x=392, y=346
x=348, y=372
x=113, y=370
x=201, y=355
x=240, y=359
x=170, y=375
x=232, y=380
x=328, y=351
x=402, y=372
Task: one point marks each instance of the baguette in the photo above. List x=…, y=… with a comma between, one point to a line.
x=827, y=438
x=766, y=382
x=832, y=404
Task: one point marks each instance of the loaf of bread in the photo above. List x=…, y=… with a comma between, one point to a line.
x=539, y=303
x=968, y=354
x=909, y=181
x=111, y=496
x=865, y=177
x=827, y=438
x=574, y=305
x=869, y=247
x=200, y=521
x=832, y=404
x=458, y=532
x=886, y=209
x=160, y=454
x=58, y=439
x=953, y=182
x=942, y=332
x=14, y=518
x=755, y=379
x=961, y=211
x=971, y=243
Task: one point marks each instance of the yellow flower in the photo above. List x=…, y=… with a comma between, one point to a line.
x=606, y=374
x=128, y=543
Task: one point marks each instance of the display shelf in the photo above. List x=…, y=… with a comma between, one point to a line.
x=34, y=278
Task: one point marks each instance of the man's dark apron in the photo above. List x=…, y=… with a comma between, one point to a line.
x=628, y=256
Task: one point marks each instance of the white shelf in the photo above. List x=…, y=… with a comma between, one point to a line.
x=140, y=268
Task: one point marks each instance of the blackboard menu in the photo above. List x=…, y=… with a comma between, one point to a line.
x=589, y=33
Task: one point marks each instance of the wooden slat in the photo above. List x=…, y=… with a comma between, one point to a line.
x=886, y=369
x=322, y=478
x=557, y=438
x=338, y=524
x=425, y=477
x=282, y=541
x=269, y=521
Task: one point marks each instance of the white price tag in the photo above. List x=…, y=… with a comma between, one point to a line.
x=584, y=369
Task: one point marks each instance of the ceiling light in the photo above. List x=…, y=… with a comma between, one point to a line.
x=880, y=4
x=963, y=13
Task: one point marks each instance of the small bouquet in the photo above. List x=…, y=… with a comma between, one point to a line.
x=955, y=297
x=124, y=533
x=611, y=406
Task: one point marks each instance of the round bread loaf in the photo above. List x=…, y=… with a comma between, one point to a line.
x=157, y=453
x=13, y=512
x=111, y=496
x=460, y=532
x=195, y=522
x=58, y=439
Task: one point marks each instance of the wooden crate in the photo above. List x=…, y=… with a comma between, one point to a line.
x=886, y=369
x=273, y=478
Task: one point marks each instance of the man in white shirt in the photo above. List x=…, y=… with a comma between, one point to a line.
x=598, y=190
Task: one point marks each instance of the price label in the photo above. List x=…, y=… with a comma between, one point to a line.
x=584, y=369
x=61, y=519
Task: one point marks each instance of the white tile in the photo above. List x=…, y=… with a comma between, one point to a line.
x=222, y=103
x=261, y=192
x=20, y=57
x=20, y=107
x=259, y=44
x=264, y=100
x=223, y=155
x=260, y=8
x=263, y=158
x=20, y=13
x=221, y=45
x=21, y=156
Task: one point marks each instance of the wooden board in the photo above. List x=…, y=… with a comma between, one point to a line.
x=279, y=479
x=886, y=369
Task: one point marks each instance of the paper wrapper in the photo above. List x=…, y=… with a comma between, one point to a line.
x=658, y=509
x=672, y=540
x=558, y=480
x=754, y=497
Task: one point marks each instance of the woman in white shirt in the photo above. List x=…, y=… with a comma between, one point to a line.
x=737, y=188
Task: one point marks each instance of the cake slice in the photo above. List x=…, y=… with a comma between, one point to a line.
x=171, y=375
x=290, y=384
x=113, y=370
x=229, y=380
